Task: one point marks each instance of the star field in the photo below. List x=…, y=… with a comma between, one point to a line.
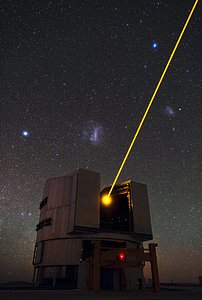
x=76, y=77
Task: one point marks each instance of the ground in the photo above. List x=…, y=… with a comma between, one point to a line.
x=165, y=294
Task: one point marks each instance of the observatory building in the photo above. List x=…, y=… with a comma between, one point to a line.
x=89, y=241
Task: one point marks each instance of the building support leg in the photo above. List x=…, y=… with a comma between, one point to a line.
x=90, y=276
x=96, y=267
x=39, y=276
x=33, y=278
x=154, y=268
x=123, y=279
x=54, y=276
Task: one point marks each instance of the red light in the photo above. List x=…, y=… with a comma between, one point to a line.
x=121, y=256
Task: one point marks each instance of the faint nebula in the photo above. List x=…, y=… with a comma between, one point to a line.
x=93, y=132
x=169, y=111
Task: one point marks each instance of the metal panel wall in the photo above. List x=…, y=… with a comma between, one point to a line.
x=62, y=252
x=141, y=214
x=60, y=222
x=73, y=200
x=88, y=194
x=72, y=204
x=60, y=191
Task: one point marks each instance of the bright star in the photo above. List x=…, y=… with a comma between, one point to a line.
x=25, y=133
x=155, y=45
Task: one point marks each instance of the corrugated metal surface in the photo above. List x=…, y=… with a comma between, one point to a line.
x=60, y=192
x=62, y=252
x=60, y=222
x=68, y=196
x=72, y=203
x=87, y=206
x=141, y=214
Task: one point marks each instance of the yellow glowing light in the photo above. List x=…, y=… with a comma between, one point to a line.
x=153, y=97
x=106, y=200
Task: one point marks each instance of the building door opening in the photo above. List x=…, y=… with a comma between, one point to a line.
x=106, y=279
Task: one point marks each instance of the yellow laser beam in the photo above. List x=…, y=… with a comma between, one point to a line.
x=153, y=97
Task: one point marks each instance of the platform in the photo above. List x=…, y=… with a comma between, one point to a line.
x=179, y=293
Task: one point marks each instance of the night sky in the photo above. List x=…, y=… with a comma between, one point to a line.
x=75, y=79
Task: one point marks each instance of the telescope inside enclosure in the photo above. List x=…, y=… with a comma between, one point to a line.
x=88, y=241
